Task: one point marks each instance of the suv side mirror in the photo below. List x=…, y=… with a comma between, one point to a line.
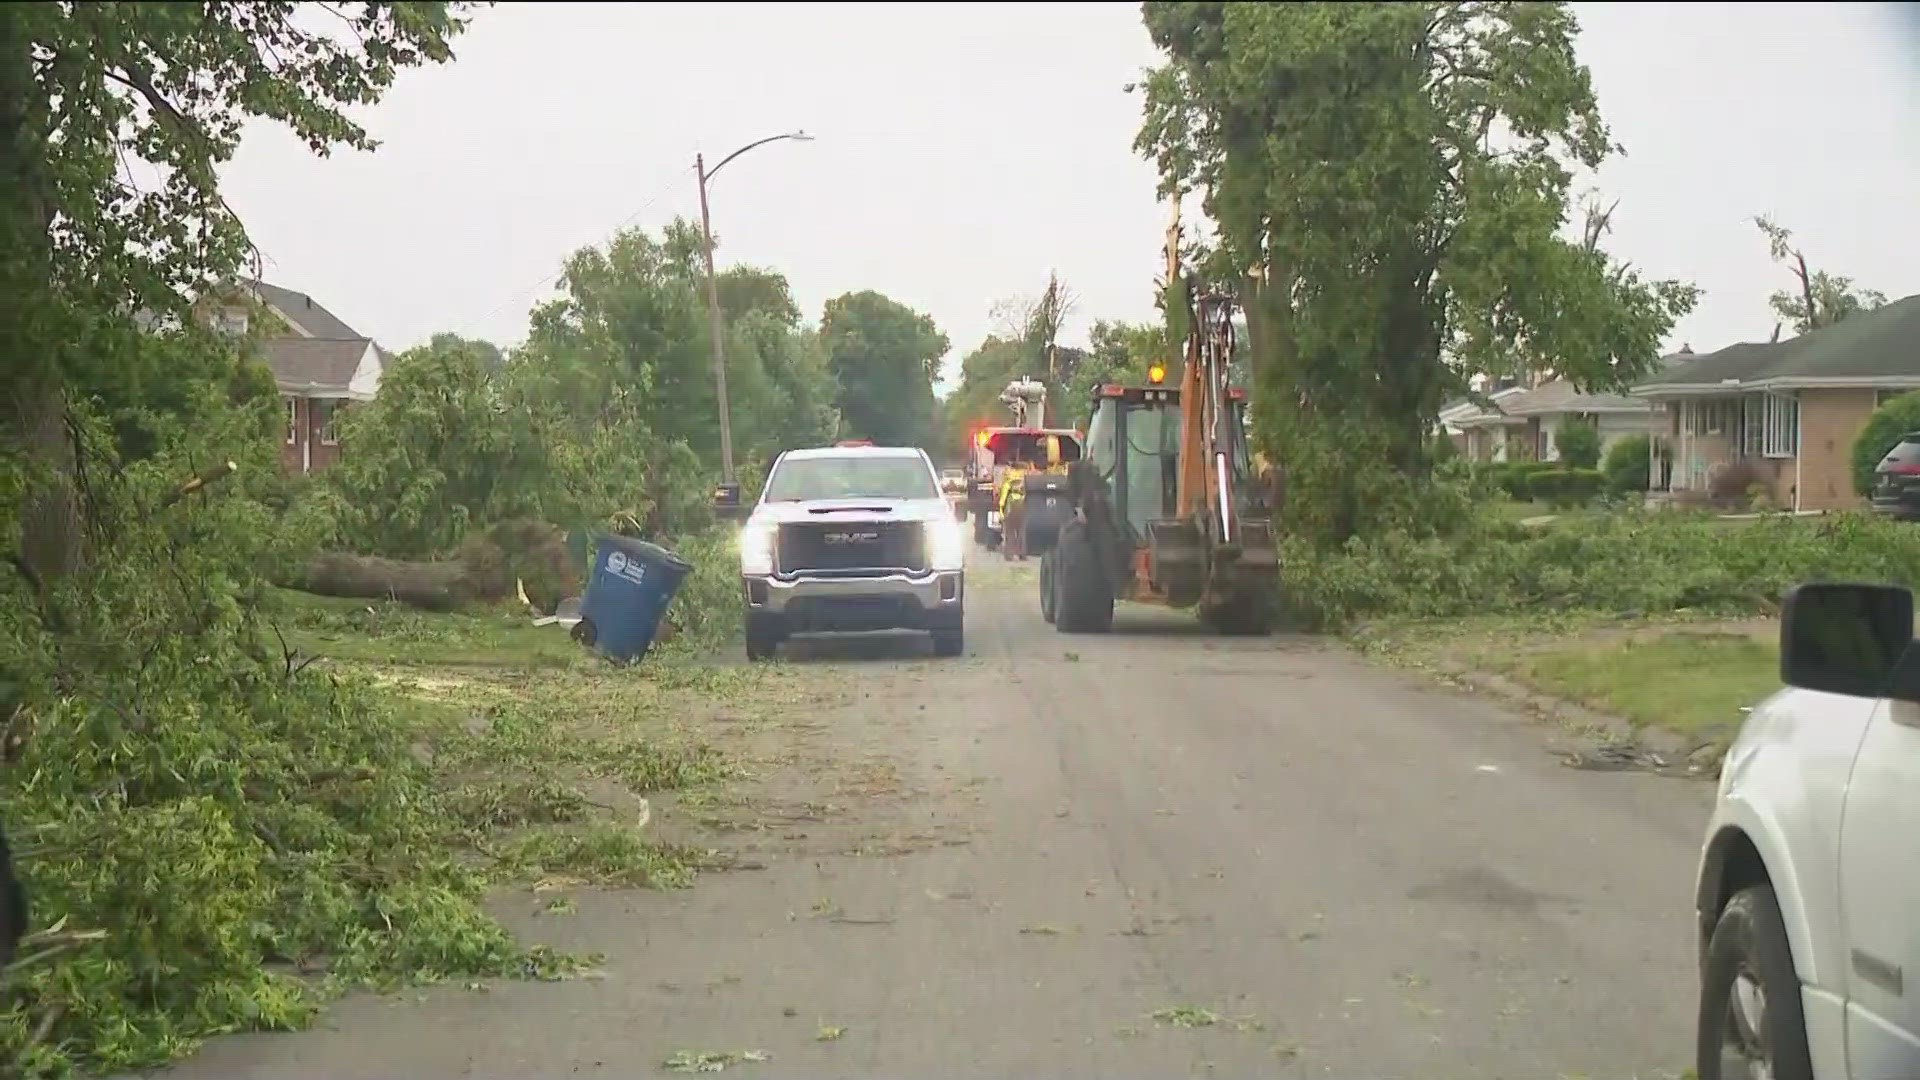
x=1845, y=639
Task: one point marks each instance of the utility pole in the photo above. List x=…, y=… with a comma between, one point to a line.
x=714, y=328
x=713, y=298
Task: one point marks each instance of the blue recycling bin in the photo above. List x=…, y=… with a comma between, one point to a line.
x=633, y=582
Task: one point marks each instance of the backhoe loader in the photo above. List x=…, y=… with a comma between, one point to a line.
x=1164, y=506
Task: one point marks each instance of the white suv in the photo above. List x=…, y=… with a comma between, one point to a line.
x=853, y=537
x=1809, y=886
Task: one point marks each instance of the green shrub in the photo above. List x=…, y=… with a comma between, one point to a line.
x=1516, y=477
x=1578, y=443
x=1564, y=489
x=1883, y=432
x=1628, y=466
x=1626, y=564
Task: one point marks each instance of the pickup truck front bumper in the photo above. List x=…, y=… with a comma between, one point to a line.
x=849, y=603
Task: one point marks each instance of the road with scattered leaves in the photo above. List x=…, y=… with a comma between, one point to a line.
x=1150, y=853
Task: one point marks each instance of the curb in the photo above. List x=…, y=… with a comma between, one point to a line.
x=1651, y=748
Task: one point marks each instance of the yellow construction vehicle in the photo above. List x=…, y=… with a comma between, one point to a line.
x=1165, y=504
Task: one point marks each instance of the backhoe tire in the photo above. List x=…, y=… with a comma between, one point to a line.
x=1046, y=586
x=1082, y=599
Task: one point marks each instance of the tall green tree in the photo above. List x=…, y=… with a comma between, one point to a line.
x=1818, y=299
x=1390, y=185
x=629, y=342
x=885, y=358
x=85, y=89
x=489, y=355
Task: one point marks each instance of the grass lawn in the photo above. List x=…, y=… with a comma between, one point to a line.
x=1691, y=683
x=382, y=632
x=544, y=755
x=1513, y=510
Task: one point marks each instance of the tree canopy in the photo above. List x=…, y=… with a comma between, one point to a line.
x=629, y=342
x=85, y=89
x=1390, y=187
x=884, y=357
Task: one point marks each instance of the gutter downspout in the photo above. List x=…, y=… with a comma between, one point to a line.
x=1797, y=455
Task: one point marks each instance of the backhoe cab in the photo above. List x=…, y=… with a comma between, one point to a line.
x=1165, y=506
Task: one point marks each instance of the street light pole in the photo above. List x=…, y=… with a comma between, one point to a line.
x=713, y=295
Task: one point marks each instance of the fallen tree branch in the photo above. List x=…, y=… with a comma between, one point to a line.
x=211, y=476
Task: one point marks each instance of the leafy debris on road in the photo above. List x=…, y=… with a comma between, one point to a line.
x=828, y=1033
x=1042, y=929
x=706, y=1061
x=1186, y=1016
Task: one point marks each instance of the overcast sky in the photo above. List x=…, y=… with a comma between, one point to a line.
x=963, y=150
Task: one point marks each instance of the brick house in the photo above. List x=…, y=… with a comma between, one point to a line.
x=321, y=364
x=1790, y=409
x=1468, y=422
x=1518, y=421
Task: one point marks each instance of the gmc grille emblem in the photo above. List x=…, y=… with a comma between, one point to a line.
x=851, y=537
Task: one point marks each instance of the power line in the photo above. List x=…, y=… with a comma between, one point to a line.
x=660, y=188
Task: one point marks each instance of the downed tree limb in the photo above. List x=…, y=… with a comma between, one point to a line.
x=211, y=476
x=434, y=586
x=510, y=558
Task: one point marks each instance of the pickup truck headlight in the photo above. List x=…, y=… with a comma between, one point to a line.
x=756, y=548
x=946, y=545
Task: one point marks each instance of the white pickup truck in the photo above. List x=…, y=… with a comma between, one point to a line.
x=1808, y=892
x=850, y=538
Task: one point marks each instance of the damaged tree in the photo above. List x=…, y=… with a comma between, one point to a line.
x=1388, y=187
x=87, y=257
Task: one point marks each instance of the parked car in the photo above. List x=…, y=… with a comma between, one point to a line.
x=1896, y=480
x=1808, y=893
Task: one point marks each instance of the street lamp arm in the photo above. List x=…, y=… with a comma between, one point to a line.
x=717, y=332
x=801, y=135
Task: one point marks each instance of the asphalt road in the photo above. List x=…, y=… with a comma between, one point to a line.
x=1350, y=873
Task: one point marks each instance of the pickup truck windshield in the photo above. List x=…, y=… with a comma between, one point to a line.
x=855, y=476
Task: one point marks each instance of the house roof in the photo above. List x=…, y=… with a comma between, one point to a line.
x=315, y=365
x=317, y=321
x=1469, y=406
x=1561, y=396
x=1874, y=348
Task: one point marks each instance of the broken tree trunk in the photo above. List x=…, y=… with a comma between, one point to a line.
x=528, y=554
x=434, y=586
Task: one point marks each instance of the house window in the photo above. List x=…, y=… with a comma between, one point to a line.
x=293, y=420
x=1770, y=425
x=327, y=412
x=231, y=321
x=1708, y=417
